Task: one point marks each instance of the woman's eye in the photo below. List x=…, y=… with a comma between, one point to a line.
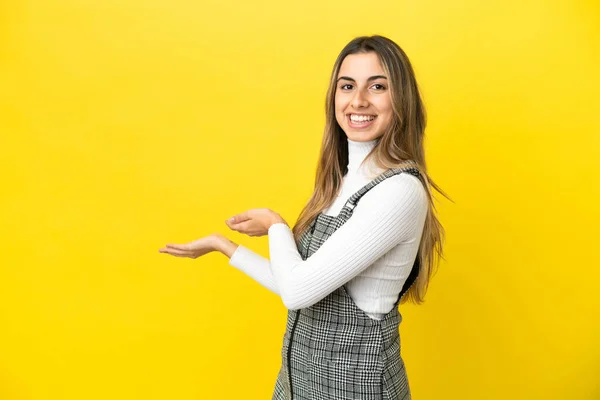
x=376, y=86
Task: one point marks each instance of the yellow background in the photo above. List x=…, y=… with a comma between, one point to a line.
x=129, y=124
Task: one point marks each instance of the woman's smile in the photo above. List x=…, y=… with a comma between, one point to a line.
x=360, y=121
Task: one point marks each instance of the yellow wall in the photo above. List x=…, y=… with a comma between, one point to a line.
x=129, y=124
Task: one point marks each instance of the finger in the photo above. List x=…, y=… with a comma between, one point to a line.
x=234, y=225
x=236, y=219
x=181, y=255
x=185, y=246
x=246, y=228
x=175, y=252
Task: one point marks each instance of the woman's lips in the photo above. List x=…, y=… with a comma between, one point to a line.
x=359, y=125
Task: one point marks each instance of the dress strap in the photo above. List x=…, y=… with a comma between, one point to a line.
x=409, y=167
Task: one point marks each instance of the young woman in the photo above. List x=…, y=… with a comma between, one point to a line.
x=366, y=240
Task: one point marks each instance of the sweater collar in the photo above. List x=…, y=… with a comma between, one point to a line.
x=358, y=151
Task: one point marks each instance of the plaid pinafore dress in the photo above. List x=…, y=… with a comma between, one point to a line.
x=333, y=350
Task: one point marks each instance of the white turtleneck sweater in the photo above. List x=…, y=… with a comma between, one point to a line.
x=371, y=254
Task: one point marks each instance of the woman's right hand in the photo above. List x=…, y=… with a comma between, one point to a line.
x=193, y=249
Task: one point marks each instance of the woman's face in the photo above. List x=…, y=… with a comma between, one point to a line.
x=363, y=105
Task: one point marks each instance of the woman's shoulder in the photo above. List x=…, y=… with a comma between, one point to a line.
x=396, y=199
x=399, y=191
x=403, y=183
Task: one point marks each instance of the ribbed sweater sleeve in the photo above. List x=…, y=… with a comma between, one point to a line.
x=255, y=266
x=387, y=215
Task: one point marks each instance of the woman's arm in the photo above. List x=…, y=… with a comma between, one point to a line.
x=247, y=261
x=392, y=212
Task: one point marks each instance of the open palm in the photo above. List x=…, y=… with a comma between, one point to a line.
x=193, y=249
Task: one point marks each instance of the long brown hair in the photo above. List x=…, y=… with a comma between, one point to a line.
x=401, y=142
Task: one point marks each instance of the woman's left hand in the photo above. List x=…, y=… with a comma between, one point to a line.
x=254, y=222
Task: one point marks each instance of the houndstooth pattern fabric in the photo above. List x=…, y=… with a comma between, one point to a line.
x=333, y=350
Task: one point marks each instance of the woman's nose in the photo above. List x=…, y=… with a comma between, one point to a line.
x=359, y=100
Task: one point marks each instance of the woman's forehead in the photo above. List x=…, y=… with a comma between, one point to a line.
x=361, y=66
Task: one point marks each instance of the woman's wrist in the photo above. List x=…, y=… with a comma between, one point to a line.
x=277, y=219
x=224, y=245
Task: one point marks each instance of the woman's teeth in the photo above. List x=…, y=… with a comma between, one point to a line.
x=361, y=118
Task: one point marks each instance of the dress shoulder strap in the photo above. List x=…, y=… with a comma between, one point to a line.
x=408, y=167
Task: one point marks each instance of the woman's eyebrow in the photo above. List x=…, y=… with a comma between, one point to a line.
x=371, y=78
